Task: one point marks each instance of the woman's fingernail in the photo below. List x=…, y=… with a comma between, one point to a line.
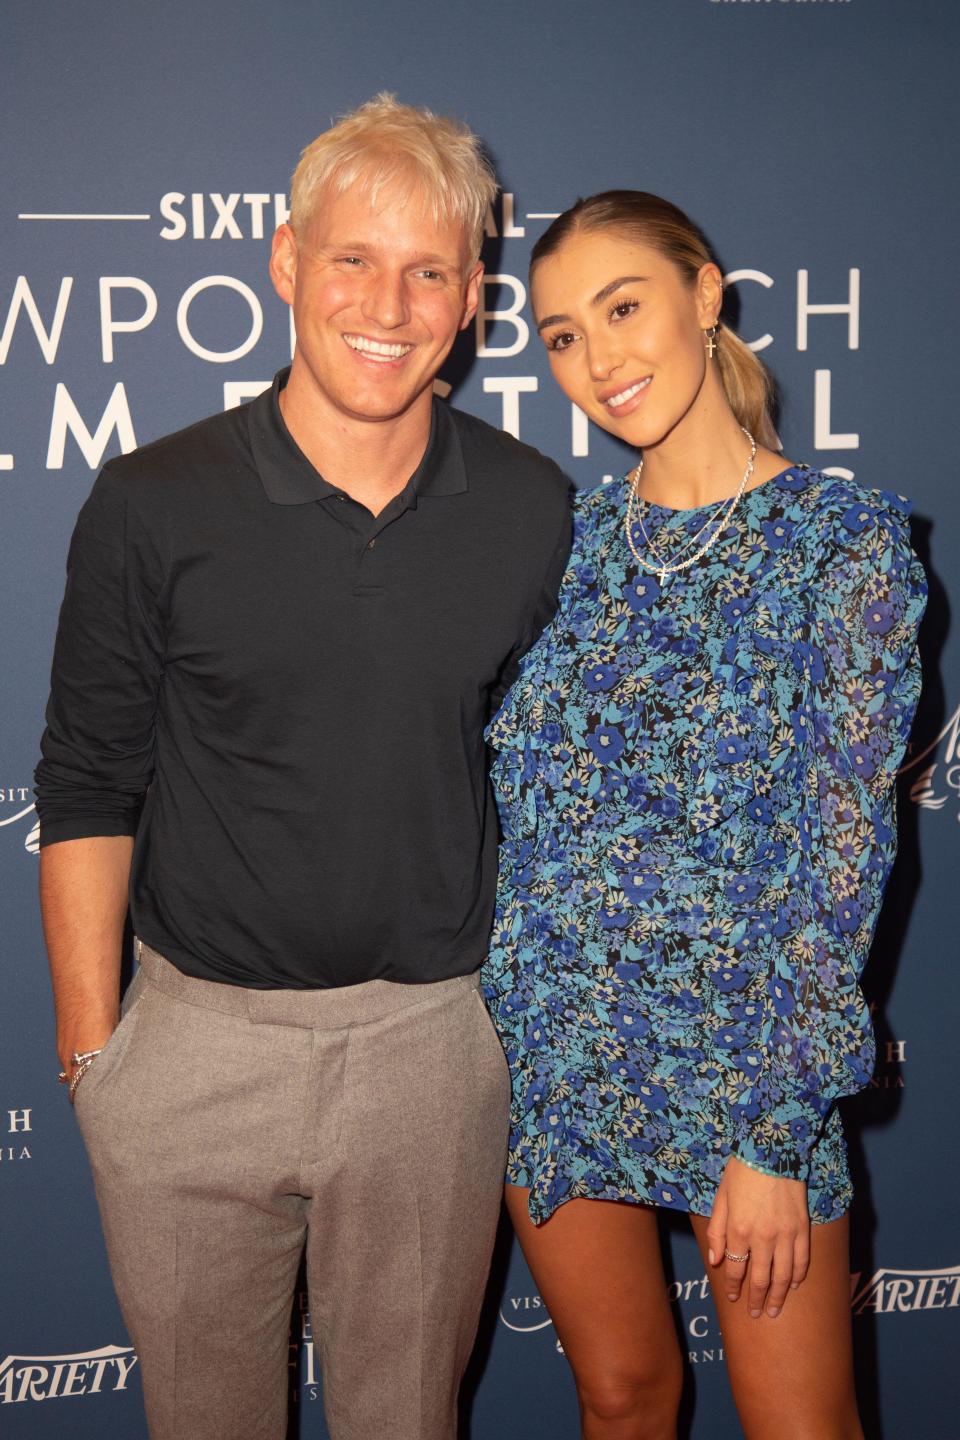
x=755, y=1314
x=711, y=1256
x=732, y=1295
x=773, y=1312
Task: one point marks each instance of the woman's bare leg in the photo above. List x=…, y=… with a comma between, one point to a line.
x=792, y=1377
x=598, y=1269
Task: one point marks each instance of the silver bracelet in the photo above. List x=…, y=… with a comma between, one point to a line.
x=81, y=1061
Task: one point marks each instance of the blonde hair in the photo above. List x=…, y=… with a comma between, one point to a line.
x=383, y=142
x=653, y=221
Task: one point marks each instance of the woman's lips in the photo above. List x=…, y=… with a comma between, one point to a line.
x=623, y=401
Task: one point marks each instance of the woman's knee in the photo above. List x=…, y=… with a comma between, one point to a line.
x=648, y=1393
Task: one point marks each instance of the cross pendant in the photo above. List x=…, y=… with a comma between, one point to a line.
x=711, y=347
x=662, y=577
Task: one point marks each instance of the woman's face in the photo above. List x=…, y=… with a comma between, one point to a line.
x=624, y=332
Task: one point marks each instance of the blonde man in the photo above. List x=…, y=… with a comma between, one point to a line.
x=283, y=632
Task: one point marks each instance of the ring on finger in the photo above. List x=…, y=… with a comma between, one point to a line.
x=737, y=1259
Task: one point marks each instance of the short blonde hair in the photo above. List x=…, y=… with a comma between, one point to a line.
x=384, y=141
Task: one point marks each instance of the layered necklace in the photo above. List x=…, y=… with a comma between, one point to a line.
x=716, y=523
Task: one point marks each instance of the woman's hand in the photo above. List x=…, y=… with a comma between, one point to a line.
x=765, y=1218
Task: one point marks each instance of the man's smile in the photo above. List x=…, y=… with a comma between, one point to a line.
x=379, y=350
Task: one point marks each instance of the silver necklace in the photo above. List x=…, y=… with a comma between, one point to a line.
x=719, y=522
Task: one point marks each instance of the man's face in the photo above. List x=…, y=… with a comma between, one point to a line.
x=378, y=297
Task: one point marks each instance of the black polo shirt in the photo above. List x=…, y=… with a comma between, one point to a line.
x=283, y=696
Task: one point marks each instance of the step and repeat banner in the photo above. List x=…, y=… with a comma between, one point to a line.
x=146, y=157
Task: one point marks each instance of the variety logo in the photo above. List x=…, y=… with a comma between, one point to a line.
x=56, y=1377
x=939, y=771
x=18, y=796
x=892, y=1292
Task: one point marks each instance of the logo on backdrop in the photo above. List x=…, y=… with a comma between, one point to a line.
x=526, y=1313
x=130, y=304
x=18, y=811
x=935, y=770
x=895, y=1292
x=16, y=1142
x=886, y=1292
x=57, y=1377
x=304, y=1370
x=891, y=1058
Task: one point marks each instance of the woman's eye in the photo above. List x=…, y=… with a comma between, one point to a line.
x=622, y=309
x=561, y=341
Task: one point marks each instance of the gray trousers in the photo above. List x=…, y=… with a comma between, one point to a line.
x=228, y=1129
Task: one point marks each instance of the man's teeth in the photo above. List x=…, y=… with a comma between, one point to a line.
x=626, y=395
x=376, y=347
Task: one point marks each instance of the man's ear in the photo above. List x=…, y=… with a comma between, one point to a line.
x=471, y=297
x=283, y=262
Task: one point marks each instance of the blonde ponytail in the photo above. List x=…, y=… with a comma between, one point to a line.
x=748, y=387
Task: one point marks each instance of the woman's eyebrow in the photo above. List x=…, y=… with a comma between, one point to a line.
x=598, y=299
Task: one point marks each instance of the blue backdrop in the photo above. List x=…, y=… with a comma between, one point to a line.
x=813, y=140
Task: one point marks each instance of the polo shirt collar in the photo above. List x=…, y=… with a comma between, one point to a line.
x=289, y=478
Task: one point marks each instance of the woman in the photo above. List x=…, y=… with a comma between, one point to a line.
x=695, y=770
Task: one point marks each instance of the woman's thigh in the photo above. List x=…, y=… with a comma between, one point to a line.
x=598, y=1267
x=793, y=1376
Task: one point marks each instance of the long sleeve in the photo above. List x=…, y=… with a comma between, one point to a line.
x=863, y=679
x=108, y=662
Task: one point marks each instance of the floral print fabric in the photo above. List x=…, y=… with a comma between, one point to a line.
x=696, y=788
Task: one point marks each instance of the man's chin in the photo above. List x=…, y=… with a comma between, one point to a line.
x=381, y=409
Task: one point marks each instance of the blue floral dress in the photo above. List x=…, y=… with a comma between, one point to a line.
x=696, y=787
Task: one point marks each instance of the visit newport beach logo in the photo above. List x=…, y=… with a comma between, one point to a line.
x=526, y=1312
x=926, y=784
x=16, y=797
x=58, y=1377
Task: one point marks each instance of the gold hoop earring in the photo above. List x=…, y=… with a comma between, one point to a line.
x=710, y=341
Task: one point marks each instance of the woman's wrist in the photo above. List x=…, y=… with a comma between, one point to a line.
x=762, y=1169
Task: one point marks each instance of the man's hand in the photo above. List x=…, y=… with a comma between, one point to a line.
x=89, y=1037
x=761, y=1220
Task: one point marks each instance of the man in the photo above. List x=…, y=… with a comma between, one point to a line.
x=283, y=632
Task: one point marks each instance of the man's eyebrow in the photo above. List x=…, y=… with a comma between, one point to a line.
x=445, y=262
x=363, y=247
x=598, y=299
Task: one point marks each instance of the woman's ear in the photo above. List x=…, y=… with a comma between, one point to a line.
x=708, y=293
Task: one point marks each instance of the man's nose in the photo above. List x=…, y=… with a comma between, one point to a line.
x=386, y=302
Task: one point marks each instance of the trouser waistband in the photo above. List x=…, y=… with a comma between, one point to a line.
x=329, y=1009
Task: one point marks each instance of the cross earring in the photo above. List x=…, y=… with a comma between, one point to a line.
x=710, y=340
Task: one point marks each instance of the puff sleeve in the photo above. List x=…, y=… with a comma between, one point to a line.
x=862, y=682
